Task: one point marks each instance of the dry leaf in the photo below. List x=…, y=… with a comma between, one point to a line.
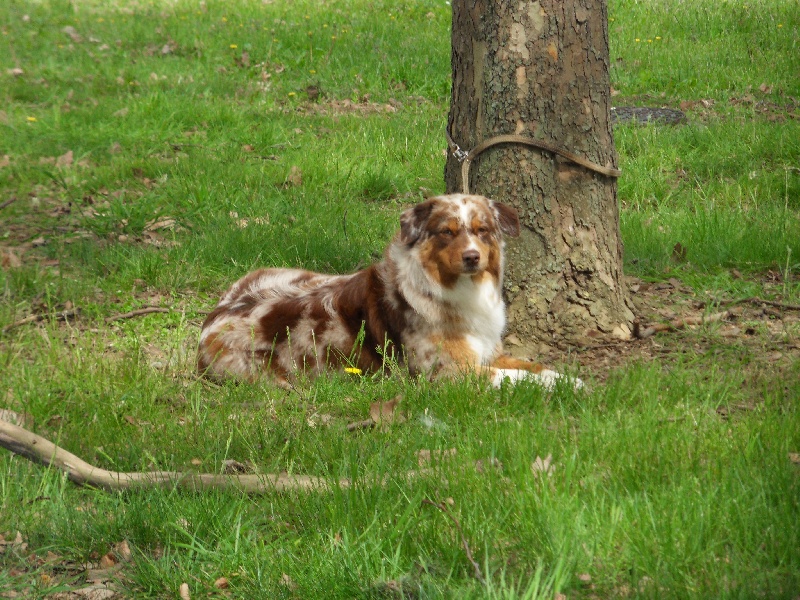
x=678, y=253
x=545, y=466
x=386, y=412
x=122, y=551
x=585, y=577
x=425, y=457
x=5, y=161
x=295, y=177
x=38, y=242
x=231, y=466
x=184, y=592
x=72, y=33
x=794, y=457
x=17, y=543
x=121, y=112
x=115, y=148
x=160, y=223
x=65, y=160
x=221, y=583
x=108, y=560
x=15, y=72
x=9, y=260
x=288, y=582
x=92, y=592
x=481, y=464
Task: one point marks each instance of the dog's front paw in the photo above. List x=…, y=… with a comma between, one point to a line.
x=546, y=378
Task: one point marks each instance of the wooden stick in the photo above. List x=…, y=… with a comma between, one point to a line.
x=137, y=313
x=367, y=424
x=40, y=450
x=8, y=202
x=677, y=324
x=757, y=300
x=61, y=316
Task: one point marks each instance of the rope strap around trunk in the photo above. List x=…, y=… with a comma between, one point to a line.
x=466, y=158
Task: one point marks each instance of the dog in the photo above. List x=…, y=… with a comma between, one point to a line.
x=434, y=303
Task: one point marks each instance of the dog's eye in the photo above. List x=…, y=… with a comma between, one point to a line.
x=483, y=230
x=447, y=232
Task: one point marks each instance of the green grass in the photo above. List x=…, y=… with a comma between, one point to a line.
x=672, y=476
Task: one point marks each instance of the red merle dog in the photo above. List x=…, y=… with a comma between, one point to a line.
x=435, y=302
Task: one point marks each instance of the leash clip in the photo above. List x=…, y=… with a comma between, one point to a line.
x=459, y=154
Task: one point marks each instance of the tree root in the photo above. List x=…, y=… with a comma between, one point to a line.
x=677, y=324
x=40, y=450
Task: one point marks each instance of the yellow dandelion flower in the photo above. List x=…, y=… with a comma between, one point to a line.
x=224, y=19
x=637, y=40
x=649, y=41
x=292, y=94
x=310, y=33
x=312, y=71
x=32, y=119
x=352, y=370
x=658, y=37
x=234, y=46
x=333, y=37
x=780, y=25
x=325, y=26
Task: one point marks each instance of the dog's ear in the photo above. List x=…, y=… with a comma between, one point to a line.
x=507, y=218
x=412, y=221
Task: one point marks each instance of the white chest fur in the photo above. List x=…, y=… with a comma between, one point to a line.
x=482, y=312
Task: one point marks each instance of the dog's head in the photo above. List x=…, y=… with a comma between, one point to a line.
x=459, y=235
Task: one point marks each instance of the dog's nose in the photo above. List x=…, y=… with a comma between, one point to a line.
x=471, y=258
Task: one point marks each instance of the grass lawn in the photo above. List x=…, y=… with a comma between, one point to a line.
x=152, y=152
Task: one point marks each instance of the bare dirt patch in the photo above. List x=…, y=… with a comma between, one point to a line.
x=757, y=338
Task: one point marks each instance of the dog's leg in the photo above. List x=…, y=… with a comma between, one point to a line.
x=513, y=370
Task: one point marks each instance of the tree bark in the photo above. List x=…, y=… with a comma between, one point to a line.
x=541, y=69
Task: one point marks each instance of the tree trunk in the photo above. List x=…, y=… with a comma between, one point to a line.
x=541, y=70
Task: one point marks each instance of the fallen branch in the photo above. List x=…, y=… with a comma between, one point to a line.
x=677, y=324
x=366, y=424
x=757, y=300
x=443, y=507
x=60, y=316
x=8, y=202
x=40, y=450
x=137, y=313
